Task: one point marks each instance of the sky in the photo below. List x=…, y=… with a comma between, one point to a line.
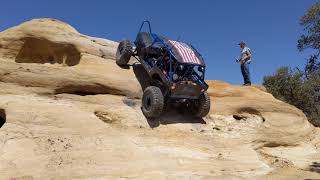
x=270, y=27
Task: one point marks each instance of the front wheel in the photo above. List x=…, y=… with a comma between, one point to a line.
x=152, y=102
x=201, y=107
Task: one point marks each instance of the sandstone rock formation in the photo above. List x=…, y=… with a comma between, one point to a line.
x=67, y=111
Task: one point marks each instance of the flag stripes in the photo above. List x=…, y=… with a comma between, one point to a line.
x=187, y=54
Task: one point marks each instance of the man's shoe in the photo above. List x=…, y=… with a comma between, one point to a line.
x=247, y=84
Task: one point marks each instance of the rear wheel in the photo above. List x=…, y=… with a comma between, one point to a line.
x=124, y=52
x=152, y=102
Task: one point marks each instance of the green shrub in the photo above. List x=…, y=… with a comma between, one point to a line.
x=293, y=87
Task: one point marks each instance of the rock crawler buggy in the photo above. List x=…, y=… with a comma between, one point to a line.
x=176, y=70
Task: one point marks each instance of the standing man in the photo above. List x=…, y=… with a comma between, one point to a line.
x=245, y=59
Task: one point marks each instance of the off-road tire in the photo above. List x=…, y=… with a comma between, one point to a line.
x=152, y=102
x=203, y=105
x=124, y=52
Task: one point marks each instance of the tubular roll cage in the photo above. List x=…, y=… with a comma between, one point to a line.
x=171, y=54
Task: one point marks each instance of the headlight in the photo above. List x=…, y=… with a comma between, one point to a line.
x=175, y=77
x=201, y=68
x=181, y=67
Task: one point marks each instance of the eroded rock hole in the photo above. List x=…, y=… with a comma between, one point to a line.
x=315, y=167
x=2, y=117
x=105, y=117
x=42, y=51
x=87, y=89
x=249, y=110
x=276, y=144
x=239, y=117
x=129, y=102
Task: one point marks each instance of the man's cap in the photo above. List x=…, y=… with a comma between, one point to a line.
x=242, y=42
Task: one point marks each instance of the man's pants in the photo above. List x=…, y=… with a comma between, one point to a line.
x=245, y=73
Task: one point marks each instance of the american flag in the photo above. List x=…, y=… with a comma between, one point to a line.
x=187, y=54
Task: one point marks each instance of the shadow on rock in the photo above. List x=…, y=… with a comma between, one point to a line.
x=125, y=66
x=174, y=115
x=2, y=117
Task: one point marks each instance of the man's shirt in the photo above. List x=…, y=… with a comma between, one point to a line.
x=244, y=53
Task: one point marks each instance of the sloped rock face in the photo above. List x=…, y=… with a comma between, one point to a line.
x=69, y=112
x=282, y=122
